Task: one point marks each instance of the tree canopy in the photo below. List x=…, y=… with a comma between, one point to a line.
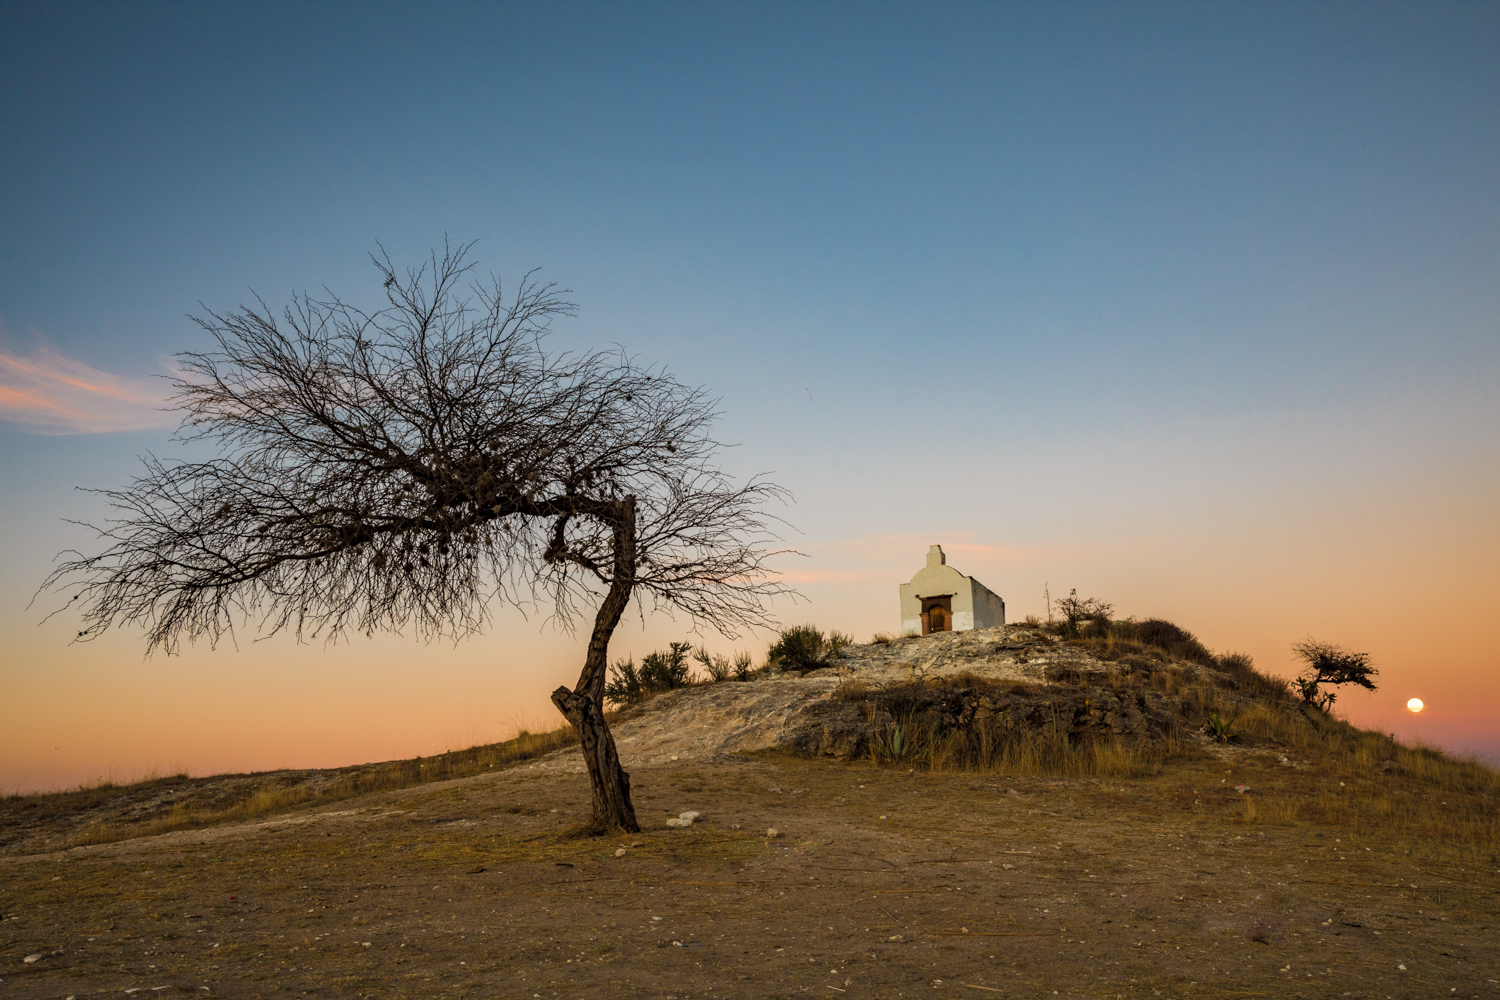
x=408, y=467
x=1330, y=665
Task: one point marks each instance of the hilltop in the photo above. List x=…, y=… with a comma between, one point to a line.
x=1011, y=810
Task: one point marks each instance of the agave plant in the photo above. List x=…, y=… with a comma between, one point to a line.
x=1221, y=729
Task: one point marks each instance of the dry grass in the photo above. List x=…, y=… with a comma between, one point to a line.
x=1308, y=767
x=282, y=793
x=987, y=748
x=851, y=688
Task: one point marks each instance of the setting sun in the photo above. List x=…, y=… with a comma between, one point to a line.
x=1415, y=705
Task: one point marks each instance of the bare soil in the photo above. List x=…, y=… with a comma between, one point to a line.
x=881, y=883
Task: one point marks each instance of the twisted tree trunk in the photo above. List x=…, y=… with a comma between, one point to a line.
x=583, y=706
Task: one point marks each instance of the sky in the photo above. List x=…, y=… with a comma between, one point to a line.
x=1191, y=307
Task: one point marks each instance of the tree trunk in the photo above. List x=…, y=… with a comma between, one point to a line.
x=583, y=706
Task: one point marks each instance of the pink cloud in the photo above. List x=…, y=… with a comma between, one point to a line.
x=49, y=393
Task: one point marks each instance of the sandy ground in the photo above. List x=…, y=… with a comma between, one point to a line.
x=880, y=884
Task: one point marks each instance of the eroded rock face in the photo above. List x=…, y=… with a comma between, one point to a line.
x=845, y=729
x=833, y=729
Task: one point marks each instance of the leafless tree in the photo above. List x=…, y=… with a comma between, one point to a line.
x=409, y=467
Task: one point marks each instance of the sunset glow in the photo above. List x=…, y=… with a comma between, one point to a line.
x=1191, y=308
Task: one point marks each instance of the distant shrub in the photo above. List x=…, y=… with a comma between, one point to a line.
x=1241, y=668
x=802, y=647
x=717, y=667
x=1169, y=638
x=658, y=671
x=722, y=668
x=1078, y=612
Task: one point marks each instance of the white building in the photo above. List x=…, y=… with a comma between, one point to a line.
x=941, y=599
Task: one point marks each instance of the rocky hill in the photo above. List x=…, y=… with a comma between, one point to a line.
x=1004, y=684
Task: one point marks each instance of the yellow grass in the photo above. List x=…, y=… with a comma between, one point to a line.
x=276, y=797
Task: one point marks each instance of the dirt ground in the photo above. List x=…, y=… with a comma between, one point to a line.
x=881, y=883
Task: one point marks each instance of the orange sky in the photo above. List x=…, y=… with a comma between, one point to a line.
x=1400, y=578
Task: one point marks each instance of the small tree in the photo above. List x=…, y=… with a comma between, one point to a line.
x=1327, y=664
x=1077, y=611
x=408, y=467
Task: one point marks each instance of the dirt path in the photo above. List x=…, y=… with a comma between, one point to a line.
x=881, y=884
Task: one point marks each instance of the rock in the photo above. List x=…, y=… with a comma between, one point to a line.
x=33, y=958
x=620, y=853
x=771, y=834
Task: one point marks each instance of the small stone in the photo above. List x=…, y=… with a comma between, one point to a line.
x=620, y=853
x=771, y=834
x=33, y=958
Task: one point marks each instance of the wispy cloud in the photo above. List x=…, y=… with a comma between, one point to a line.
x=47, y=392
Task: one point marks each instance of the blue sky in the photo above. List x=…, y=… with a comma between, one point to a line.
x=1185, y=304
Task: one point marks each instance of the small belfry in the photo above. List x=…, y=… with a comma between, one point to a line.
x=941, y=599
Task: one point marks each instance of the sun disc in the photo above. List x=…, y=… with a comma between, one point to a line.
x=1415, y=705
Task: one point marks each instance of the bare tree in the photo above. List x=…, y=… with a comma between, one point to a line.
x=407, y=468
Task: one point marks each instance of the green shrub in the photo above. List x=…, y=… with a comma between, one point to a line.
x=1221, y=729
x=804, y=647
x=722, y=668
x=658, y=672
x=717, y=667
x=1079, y=612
